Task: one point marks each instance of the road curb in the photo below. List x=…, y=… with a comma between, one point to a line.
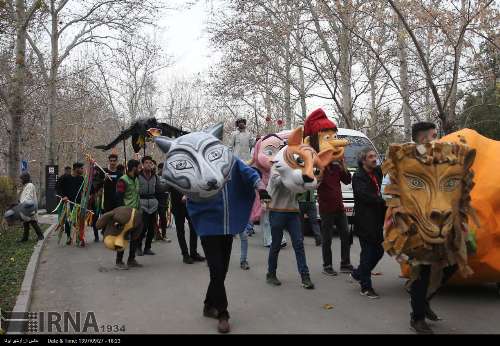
x=23, y=300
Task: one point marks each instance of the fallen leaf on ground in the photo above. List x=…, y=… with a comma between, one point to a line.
x=376, y=274
x=327, y=306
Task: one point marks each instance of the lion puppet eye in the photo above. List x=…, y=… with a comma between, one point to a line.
x=450, y=184
x=415, y=182
x=180, y=165
x=298, y=160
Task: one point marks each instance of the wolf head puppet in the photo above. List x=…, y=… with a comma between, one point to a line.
x=197, y=164
x=298, y=164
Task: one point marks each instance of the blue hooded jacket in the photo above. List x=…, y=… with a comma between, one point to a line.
x=229, y=211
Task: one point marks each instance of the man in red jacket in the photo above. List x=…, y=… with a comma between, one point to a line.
x=331, y=208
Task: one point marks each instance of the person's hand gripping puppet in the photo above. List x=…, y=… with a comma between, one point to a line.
x=298, y=166
x=220, y=187
x=321, y=134
x=119, y=226
x=430, y=203
x=25, y=211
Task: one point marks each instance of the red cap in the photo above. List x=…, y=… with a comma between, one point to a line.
x=318, y=121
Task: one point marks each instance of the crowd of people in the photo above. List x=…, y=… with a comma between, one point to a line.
x=137, y=187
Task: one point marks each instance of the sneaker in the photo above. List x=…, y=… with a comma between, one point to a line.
x=329, y=271
x=272, y=279
x=187, y=259
x=198, y=258
x=420, y=327
x=244, y=265
x=210, y=312
x=134, y=264
x=306, y=282
x=431, y=315
x=223, y=326
x=346, y=268
x=120, y=266
x=370, y=293
x=148, y=252
x=352, y=278
x=139, y=252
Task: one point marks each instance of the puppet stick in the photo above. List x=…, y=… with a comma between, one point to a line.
x=70, y=202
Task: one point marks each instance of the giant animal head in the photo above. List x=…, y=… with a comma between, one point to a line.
x=197, y=164
x=265, y=150
x=430, y=189
x=118, y=226
x=327, y=139
x=298, y=164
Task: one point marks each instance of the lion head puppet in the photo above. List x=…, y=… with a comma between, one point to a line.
x=430, y=202
x=299, y=165
x=120, y=225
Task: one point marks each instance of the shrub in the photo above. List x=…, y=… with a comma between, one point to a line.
x=7, y=193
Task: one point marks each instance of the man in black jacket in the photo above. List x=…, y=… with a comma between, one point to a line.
x=69, y=188
x=369, y=212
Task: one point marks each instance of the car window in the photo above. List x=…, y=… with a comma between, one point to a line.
x=356, y=144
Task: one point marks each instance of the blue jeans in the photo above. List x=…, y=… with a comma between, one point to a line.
x=244, y=244
x=371, y=253
x=291, y=222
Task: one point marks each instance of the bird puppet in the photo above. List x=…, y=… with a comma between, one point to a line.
x=139, y=133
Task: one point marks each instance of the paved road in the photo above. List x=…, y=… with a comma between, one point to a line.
x=165, y=296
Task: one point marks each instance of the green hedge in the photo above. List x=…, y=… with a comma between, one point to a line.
x=7, y=193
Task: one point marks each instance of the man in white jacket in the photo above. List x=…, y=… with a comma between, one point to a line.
x=29, y=195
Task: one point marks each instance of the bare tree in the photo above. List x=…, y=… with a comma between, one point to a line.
x=71, y=24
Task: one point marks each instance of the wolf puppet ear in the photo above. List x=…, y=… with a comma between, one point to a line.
x=164, y=143
x=295, y=137
x=216, y=130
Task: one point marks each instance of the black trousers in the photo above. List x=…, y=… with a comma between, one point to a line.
x=217, y=250
x=26, y=229
x=370, y=255
x=329, y=221
x=131, y=252
x=148, y=229
x=418, y=289
x=180, y=216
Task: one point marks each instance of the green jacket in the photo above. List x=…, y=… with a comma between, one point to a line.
x=131, y=196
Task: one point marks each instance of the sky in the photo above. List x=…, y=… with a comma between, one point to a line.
x=182, y=34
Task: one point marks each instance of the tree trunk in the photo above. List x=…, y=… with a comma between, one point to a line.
x=373, y=104
x=345, y=64
x=403, y=80
x=287, y=85
x=52, y=86
x=17, y=96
